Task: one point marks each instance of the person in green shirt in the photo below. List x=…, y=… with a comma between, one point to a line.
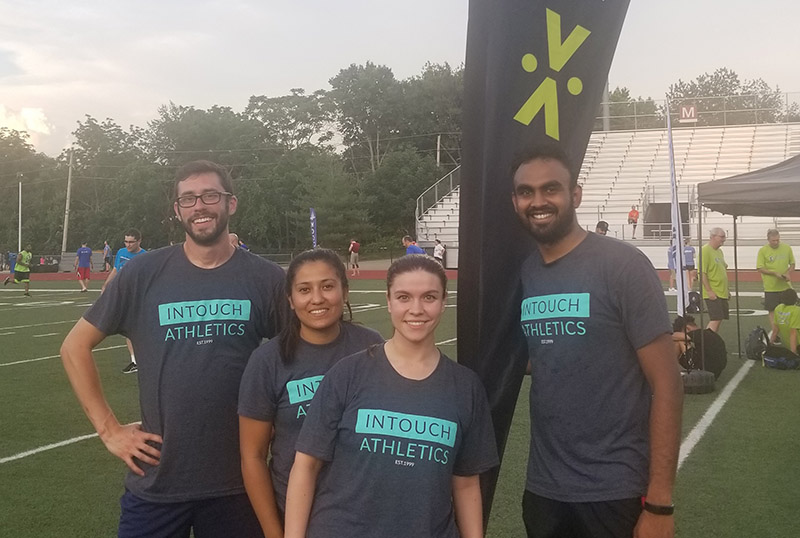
x=775, y=262
x=715, y=278
x=786, y=321
x=22, y=269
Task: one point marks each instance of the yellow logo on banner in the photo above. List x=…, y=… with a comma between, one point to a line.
x=546, y=95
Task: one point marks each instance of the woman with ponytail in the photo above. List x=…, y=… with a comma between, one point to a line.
x=283, y=374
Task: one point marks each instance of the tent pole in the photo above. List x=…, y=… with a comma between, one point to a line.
x=736, y=284
x=700, y=272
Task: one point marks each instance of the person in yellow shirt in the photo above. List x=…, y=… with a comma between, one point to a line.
x=22, y=269
x=786, y=321
x=775, y=262
x=715, y=278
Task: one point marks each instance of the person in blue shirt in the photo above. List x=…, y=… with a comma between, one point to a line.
x=133, y=247
x=411, y=245
x=689, y=263
x=83, y=266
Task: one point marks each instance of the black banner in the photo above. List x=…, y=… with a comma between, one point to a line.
x=535, y=73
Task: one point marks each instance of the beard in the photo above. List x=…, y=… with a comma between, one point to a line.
x=555, y=231
x=207, y=237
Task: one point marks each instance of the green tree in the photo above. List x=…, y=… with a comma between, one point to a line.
x=628, y=113
x=392, y=190
x=368, y=105
x=43, y=191
x=433, y=103
x=293, y=121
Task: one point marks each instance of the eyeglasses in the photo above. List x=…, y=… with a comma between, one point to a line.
x=209, y=198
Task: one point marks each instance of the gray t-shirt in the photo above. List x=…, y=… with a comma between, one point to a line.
x=393, y=445
x=273, y=391
x=193, y=330
x=584, y=317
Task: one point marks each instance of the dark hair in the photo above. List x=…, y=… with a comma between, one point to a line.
x=194, y=168
x=681, y=322
x=601, y=225
x=415, y=262
x=788, y=297
x=545, y=152
x=289, y=337
x=133, y=232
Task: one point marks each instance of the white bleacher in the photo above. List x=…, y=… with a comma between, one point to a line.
x=636, y=170
x=625, y=168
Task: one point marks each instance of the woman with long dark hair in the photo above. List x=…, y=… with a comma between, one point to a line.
x=283, y=374
x=398, y=433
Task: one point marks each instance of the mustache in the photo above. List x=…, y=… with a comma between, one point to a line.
x=545, y=208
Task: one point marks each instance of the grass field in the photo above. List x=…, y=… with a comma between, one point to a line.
x=739, y=480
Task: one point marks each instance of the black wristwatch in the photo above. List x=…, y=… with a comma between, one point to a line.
x=659, y=509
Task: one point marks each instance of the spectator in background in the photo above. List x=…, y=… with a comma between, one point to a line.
x=133, y=247
x=775, y=262
x=22, y=269
x=671, y=261
x=438, y=252
x=786, y=321
x=689, y=255
x=353, y=249
x=601, y=228
x=411, y=245
x=107, y=260
x=83, y=266
x=633, y=218
x=715, y=279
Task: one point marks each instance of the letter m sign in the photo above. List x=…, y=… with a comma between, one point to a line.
x=688, y=114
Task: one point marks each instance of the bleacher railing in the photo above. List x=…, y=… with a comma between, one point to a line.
x=436, y=192
x=640, y=113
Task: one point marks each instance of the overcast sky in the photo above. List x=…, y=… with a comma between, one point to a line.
x=123, y=59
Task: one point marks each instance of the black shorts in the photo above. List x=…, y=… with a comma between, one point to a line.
x=231, y=515
x=771, y=300
x=546, y=518
x=717, y=309
x=688, y=268
x=22, y=276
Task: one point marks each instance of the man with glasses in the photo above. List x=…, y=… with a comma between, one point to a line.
x=133, y=247
x=194, y=312
x=715, y=278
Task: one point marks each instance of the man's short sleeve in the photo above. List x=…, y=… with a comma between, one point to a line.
x=642, y=303
x=257, y=398
x=478, y=448
x=110, y=313
x=761, y=260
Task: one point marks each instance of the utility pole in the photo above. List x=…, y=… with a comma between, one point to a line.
x=66, y=209
x=438, y=149
x=606, y=111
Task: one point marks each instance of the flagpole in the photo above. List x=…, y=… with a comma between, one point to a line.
x=676, y=237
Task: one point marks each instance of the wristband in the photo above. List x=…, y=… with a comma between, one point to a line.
x=659, y=509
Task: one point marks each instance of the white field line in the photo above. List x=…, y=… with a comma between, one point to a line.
x=444, y=342
x=43, y=335
x=54, y=356
x=46, y=447
x=73, y=321
x=711, y=413
x=6, y=334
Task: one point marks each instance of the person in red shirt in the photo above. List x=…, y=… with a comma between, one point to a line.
x=633, y=218
x=355, y=246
